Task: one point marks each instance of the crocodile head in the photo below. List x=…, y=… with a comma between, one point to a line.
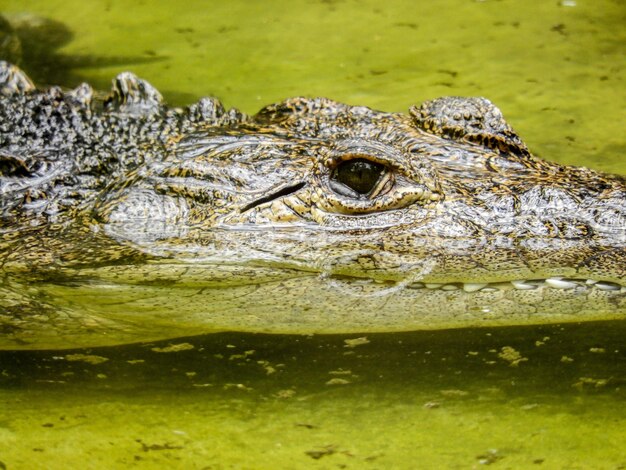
x=318, y=217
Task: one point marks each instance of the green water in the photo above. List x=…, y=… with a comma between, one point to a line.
x=448, y=399
x=533, y=397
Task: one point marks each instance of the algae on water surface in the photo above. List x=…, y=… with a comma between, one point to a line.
x=545, y=397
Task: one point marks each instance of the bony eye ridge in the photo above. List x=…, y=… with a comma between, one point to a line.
x=357, y=175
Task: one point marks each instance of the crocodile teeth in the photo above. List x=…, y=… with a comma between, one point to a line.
x=607, y=286
x=559, y=283
x=523, y=285
x=471, y=287
x=416, y=285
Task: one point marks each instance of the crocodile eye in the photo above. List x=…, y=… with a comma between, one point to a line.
x=359, y=175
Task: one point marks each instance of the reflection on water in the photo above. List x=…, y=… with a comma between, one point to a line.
x=544, y=397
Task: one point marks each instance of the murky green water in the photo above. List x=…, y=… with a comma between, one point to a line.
x=550, y=397
x=534, y=397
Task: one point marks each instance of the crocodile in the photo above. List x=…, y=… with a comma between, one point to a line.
x=124, y=220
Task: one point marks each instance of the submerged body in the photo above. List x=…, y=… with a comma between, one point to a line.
x=123, y=220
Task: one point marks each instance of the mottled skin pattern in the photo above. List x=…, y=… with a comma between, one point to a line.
x=124, y=220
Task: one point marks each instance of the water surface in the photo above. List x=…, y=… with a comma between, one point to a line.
x=532, y=397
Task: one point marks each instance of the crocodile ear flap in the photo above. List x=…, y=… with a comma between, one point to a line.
x=474, y=120
x=13, y=81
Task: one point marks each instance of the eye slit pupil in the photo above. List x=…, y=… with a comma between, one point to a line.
x=359, y=174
